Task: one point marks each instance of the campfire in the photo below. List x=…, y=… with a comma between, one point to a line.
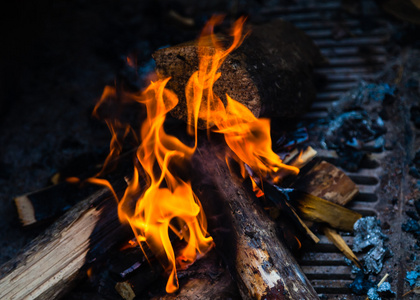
x=217, y=182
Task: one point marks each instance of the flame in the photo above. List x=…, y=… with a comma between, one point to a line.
x=167, y=203
x=248, y=137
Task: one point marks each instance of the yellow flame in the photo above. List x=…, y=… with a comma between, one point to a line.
x=248, y=137
x=166, y=203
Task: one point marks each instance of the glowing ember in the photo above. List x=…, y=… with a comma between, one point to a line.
x=167, y=203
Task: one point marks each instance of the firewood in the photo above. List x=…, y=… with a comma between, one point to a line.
x=270, y=73
x=261, y=265
x=340, y=243
x=301, y=159
x=206, y=279
x=244, y=235
x=319, y=210
x=44, y=205
x=280, y=200
x=328, y=182
x=52, y=262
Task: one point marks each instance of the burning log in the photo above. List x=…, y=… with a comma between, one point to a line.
x=54, y=260
x=261, y=265
x=205, y=279
x=271, y=73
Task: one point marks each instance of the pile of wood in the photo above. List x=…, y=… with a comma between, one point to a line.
x=276, y=74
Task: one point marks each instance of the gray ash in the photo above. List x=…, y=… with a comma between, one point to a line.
x=368, y=235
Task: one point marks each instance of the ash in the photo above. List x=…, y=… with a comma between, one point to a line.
x=368, y=234
x=384, y=290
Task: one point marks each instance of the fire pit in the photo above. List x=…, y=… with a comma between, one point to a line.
x=361, y=112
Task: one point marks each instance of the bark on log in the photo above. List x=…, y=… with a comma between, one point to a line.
x=270, y=73
x=52, y=262
x=261, y=265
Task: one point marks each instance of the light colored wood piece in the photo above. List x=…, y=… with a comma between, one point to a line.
x=328, y=182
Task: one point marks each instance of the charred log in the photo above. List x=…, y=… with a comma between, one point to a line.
x=262, y=267
x=270, y=73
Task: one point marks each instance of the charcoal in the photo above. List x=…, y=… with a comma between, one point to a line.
x=368, y=234
x=350, y=160
x=373, y=260
x=361, y=284
x=353, y=129
x=376, y=293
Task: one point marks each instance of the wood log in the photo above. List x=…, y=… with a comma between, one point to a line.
x=261, y=265
x=244, y=235
x=270, y=73
x=45, y=205
x=52, y=262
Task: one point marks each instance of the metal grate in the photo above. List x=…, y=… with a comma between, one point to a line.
x=354, y=55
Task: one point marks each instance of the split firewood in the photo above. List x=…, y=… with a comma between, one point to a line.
x=53, y=261
x=328, y=182
x=340, y=243
x=322, y=211
x=301, y=159
x=244, y=235
x=274, y=195
x=44, y=205
x=270, y=73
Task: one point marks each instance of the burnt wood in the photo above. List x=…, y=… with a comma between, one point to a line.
x=244, y=235
x=270, y=73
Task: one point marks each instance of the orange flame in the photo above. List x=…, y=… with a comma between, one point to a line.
x=248, y=137
x=167, y=203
